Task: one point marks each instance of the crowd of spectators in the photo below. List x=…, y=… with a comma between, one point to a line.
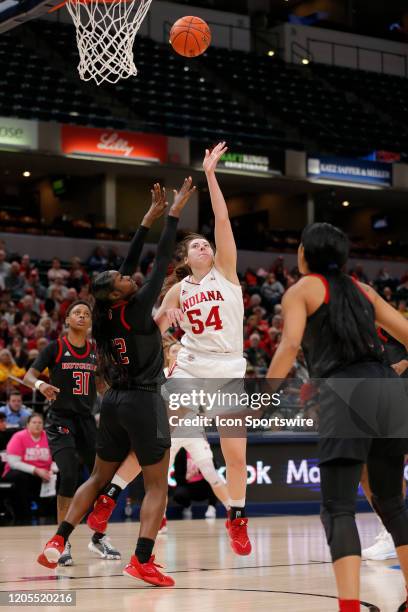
x=34, y=300
x=33, y=304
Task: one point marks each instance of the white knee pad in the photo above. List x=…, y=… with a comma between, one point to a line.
x=207, y=468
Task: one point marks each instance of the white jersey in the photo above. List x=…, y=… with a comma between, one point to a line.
x=213, y=315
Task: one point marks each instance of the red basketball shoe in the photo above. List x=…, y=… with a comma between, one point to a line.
x=163, y=526
x=148, y=572
x=52, y=552
x=237, y=531
x=98, y=519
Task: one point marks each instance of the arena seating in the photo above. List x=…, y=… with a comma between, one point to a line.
x=325, y=113
x=385, y=93
x=172, y=95
x=257, y=102
x=33, y=89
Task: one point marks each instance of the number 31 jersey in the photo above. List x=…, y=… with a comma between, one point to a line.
x=213, y=315
x=72, y=371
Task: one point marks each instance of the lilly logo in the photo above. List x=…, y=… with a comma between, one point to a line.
x=113, y=142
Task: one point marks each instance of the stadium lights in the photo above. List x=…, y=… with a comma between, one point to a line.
x=345, y=203
x=305, y=61
x=26, y=173
x=271, y=53
x=389, y=242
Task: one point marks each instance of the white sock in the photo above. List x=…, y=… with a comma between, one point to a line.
x=119, y=482
x=237, y=503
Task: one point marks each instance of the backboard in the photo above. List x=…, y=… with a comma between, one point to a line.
x=16, y=12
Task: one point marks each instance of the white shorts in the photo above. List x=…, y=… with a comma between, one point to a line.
x=198, y=448
x=221, y=376
x=205, y=365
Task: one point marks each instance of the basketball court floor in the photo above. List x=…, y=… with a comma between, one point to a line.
x=289, y=569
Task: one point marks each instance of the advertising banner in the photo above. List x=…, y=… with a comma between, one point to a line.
x=18, y=133
x=350, y=170
x=244, y=160
x=113, y=143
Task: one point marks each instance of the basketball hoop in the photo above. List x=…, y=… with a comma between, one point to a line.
x=106, y=31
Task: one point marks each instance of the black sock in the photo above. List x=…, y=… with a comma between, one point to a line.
x=65, y=530
x=236, y=513
x=144, y=549
x=97, y=536
x=112, y=491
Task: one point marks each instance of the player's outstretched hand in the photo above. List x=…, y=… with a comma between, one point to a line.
x=182, y=196
x=174, y=316
x=212, y=158
x=49, y=391
x=158, y=205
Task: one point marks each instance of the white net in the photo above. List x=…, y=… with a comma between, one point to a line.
x=106, y=32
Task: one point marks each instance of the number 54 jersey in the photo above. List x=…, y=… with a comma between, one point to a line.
x=213, y=315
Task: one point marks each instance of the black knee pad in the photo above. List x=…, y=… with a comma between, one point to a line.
x=338, y=518
x=394, y=514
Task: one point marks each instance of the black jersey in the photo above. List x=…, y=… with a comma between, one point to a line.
x=321, y=348
x=131, y=328
x=72, y=371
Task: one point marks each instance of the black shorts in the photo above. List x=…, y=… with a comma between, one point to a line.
x=77, y=432
x=135, y=420
x=363, y=412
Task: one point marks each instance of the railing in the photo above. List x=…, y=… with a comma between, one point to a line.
x=299, y=52
x=358, y=51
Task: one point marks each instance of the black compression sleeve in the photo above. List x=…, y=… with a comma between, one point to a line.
x=146, y=296
x=131, y=261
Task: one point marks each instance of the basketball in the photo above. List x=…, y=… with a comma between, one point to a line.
x=190, y=36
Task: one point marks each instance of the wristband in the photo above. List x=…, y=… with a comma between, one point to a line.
x=38, y=384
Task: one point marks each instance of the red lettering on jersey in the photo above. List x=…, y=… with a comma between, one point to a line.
x=73, y=365
x=203, y=296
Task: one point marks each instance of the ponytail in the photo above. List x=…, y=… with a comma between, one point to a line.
x=180, y=271
x=352, y=318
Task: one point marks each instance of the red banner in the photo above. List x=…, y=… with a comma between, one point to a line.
x=113, y=143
